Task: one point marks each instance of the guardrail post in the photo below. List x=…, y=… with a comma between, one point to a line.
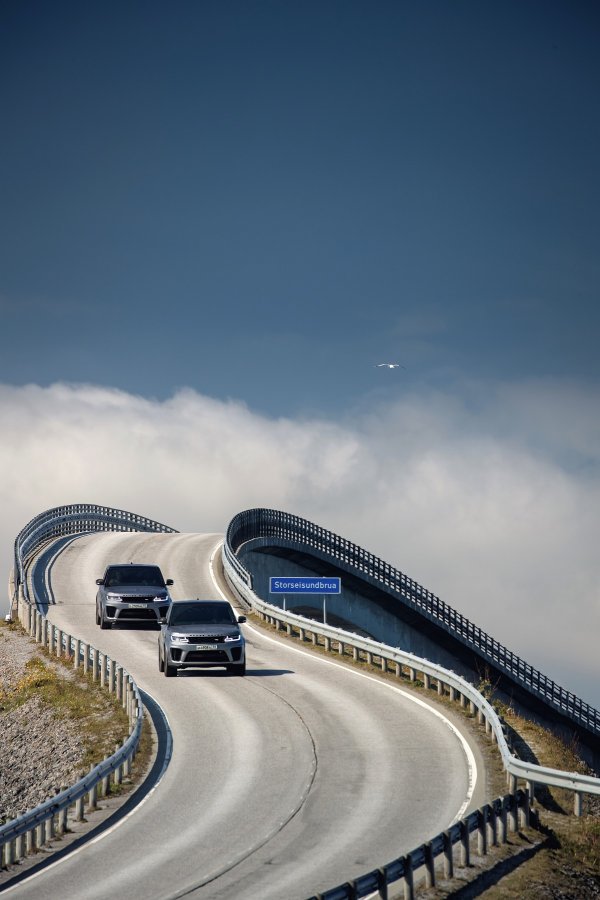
x=102, y=667
x=472, y=707
x=465, y=846
x=525, y=808
x=409, y=885
x=355, y=654
x=86, y=658
x=328, y=644
x=79, y=803
x=117, y=774
x=426, y=681
x=40, y=835
x=111, y=676
x=8, y=853
x=95, y=661
x=482, y=831
x=59, y=637
x=119, y=680
x=463, y=701
x=62, y=816
x=92, y=794
x=383, y=660
x=577, y=803
x=429, y=865
x=448, y=859
x=314, y=638
x=382, y=884
x=513, y=813
x=452, y=693
x=412, y=674
x=302, y=634
x=503, y=823
x=530, y=785
x=440, y=687
x=493, y=826
x=51, y=639
x=341, y=648
x=44, y=635
x=105, y=782
x=398, y=670
x=480, y=717
x=77, y=653
x=29, y=840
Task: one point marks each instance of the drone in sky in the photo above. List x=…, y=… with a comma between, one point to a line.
x=390, y=366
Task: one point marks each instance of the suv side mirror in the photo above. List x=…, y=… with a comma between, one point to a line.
x=169, y=582
x=241, y=619
x=99, y=580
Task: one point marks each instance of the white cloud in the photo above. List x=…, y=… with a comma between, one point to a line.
x=490, y=499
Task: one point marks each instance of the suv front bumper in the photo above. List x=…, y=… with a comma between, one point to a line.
x=136, y=611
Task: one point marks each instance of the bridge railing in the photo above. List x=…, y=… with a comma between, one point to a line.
x=79, y=518
x=276, y=525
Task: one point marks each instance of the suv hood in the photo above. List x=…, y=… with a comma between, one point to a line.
x=132, y=590
x=205, y=630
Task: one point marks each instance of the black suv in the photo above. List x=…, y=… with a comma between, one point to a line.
x=132, y=593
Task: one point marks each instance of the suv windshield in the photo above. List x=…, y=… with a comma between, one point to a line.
x=202, y=614
x=146, y=576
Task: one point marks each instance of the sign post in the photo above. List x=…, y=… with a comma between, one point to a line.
x=305, y=584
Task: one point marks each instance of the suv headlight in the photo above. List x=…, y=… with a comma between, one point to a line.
x=112, y=597
x=179, y=639
x=236, y=637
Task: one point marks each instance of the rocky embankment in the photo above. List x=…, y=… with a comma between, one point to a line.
x=40, y=752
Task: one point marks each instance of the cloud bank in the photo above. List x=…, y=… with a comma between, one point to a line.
x=490, y=498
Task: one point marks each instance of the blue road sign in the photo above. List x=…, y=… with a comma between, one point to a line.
x=304, y=585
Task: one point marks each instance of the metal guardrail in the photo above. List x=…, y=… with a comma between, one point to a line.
x=283, y=528
x=445, y=680
x=492, y=823
x=484, y=820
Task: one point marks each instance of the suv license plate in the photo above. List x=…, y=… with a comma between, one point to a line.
x=136, y=606
x=206, y=646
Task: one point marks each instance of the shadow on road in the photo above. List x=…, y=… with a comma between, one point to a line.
x=221, y=673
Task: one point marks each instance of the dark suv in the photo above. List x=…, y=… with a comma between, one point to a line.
x=132, y=593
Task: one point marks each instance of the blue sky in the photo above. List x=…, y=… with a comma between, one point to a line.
x=261, y=200
x=216, y=218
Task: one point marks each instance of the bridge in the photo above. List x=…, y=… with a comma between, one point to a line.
x=309, y=773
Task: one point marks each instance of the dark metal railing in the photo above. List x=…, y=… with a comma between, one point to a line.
x=275, y=525
x=80, y=518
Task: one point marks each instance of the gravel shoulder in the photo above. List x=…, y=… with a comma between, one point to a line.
x=41, y=751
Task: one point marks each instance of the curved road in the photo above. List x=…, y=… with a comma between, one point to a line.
x=301, y=775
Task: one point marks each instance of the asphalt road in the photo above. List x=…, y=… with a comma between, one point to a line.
x=301, y=775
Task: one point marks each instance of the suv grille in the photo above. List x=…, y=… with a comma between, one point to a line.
x=207, y=656
x=206, y=638
x=138, y=614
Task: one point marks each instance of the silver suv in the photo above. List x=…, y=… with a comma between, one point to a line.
x=200, y=634
x=132, y=593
